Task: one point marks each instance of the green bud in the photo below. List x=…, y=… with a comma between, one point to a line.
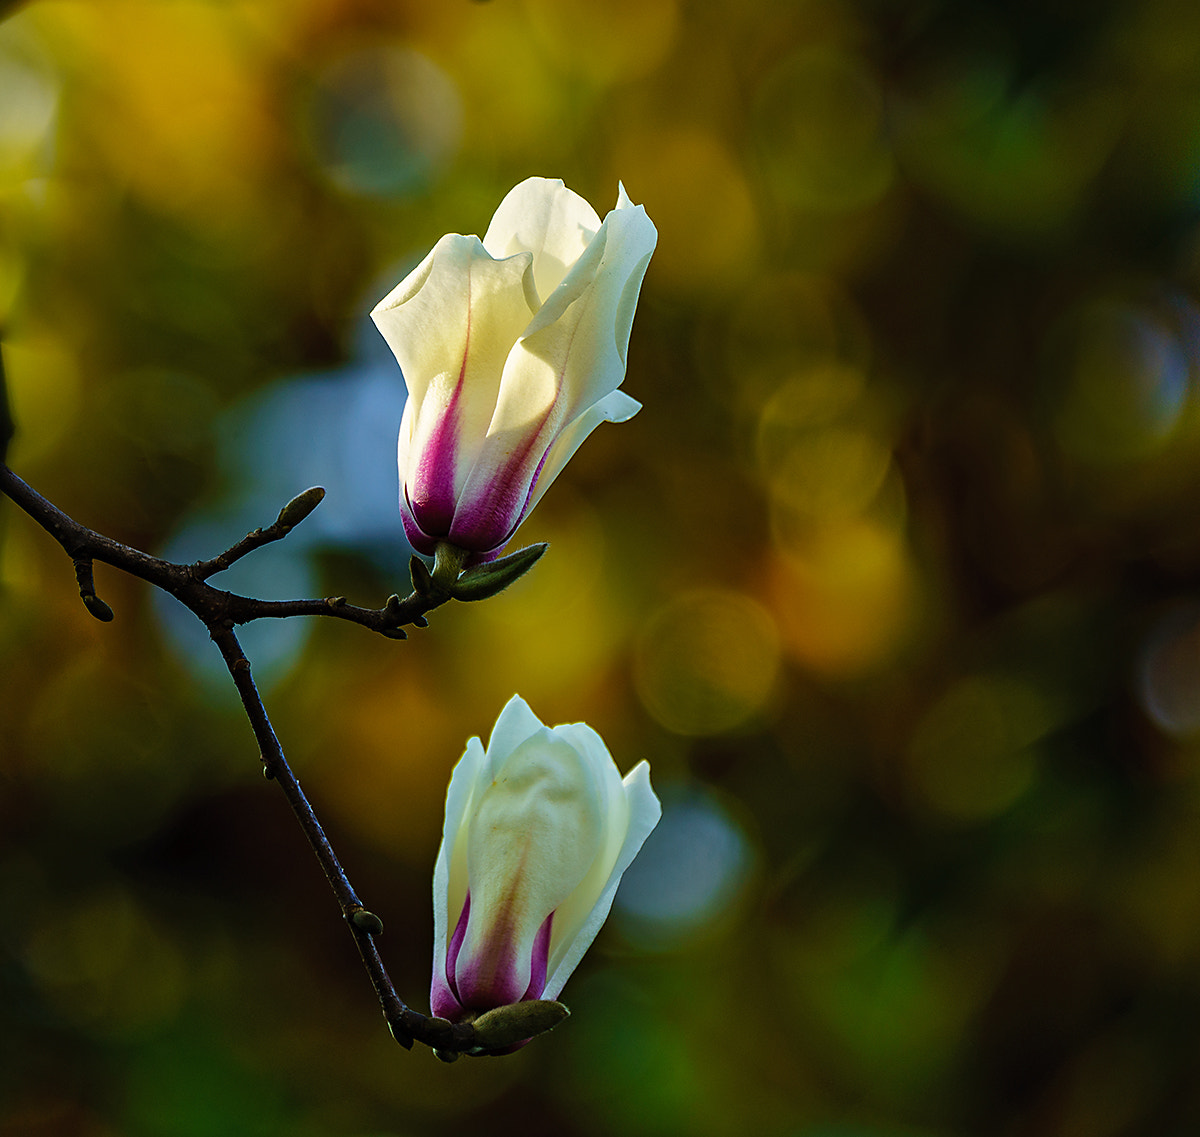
x=502, y=1027
x=422, y=581
x=481, y=581
x=300, y=507
x=367, y=922
x=97, y=607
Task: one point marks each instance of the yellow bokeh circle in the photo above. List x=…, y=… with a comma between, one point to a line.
x=707, y=662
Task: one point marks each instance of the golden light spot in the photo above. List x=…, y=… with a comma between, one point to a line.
x=700, y=201
x=619, y=39
x=167, y=95
x=707, y=662
x=28, y=108
x=846, y=596
x=831, y=473
x=44, y=392
x=395, y=743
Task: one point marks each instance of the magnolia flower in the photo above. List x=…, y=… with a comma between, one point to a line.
x=539, y=829
x=512, y=349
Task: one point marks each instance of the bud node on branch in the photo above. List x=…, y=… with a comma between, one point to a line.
x=220, y=612
x=367, y=922
x=87, y=590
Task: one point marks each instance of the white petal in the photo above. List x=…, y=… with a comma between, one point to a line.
x=534, y=835
x=545, y=218
x=573, y=913
x=571, y=356
x=574, y=349
x=644, y=812
x=616, y=406
x=449, y=871
x=513, y=726
x=451, y=324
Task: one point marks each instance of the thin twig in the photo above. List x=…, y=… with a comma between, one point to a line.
x=289, y=517
x=275, y=765
x=220, y=612
x=187, y=582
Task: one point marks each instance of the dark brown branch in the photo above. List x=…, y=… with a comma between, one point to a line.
x=220, y=612
x=275, y=766
x=188, y=585
x=289, y=517
x=406, y=1025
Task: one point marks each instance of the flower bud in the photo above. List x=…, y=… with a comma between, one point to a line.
x=513, y=349
x=539, y=830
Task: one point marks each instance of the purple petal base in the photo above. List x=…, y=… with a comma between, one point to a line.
x=488, y=514
x=492, y=979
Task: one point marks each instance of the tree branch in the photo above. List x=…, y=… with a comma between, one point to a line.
x=289, y=517
x=364, y=925
x=187, y=583
x=220, y=612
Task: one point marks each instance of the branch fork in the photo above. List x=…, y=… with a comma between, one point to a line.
x=495, y=1032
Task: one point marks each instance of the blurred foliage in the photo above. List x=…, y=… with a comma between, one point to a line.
x=895, y=580
x=6, y=423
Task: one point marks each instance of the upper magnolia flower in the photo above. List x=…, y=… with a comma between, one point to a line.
x=539, y=829
x=512, y=349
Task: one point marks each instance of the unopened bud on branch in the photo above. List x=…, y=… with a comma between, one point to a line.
x=300, y=507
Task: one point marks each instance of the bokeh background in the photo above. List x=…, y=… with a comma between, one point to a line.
x=895, y=580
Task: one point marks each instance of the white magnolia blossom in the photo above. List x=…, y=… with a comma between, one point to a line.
x=513, y=349
x=539, y=829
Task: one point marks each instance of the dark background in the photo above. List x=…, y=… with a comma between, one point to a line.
x=895, y=580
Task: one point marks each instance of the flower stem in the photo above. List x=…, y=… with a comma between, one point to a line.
x=220, y=612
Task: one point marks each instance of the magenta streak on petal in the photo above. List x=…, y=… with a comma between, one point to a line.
x=433, y=496
x=491, y=978
x=456, y=942
x=419, y=540
x=537, y=979
x=442, y=1001
x=529, y=493
x=443, y=996
x=486, y=521
x=541, y=960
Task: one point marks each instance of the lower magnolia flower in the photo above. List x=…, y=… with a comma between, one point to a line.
x=539, y=829
x=513, y=350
